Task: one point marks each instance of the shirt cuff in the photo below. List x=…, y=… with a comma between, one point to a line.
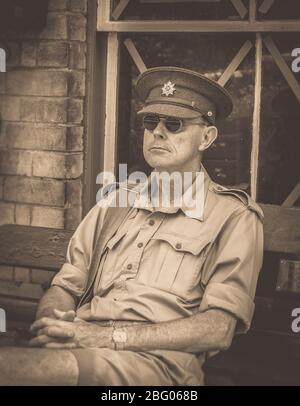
x=232, y=299
x=71, y=279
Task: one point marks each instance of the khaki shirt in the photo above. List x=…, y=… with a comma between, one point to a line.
x=163, y=265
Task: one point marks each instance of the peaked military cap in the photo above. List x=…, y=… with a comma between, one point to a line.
x=182, y=93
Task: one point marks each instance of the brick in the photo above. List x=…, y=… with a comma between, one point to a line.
x=77, y=28
x=28, y=54
x=1, y=187
x=79, y=6
x=73, y=192
x=23, y=214
x=75, y=111
x=47, y=217
x=57, y=5
x=10, y=108
x=78, y=55
x=73, y=217
x=36, y=83
x=56, y=27
x=52, y=54
x=14, y=54
x=44, y=110
x=49, y=164
x=15, y=162
x=74, y=139
x=22, y=274
x=77, y=84
x=38, y=137
x=41, y=276
x=7, y=213
x=74, y=165
x=6, y=273
x=30, y=190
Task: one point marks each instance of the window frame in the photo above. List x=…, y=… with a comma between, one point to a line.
x=106, y=24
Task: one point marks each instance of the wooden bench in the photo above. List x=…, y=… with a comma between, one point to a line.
x=267, y=355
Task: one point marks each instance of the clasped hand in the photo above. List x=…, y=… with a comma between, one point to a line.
x=66, y=331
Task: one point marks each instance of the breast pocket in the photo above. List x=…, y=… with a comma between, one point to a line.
x=178, y=263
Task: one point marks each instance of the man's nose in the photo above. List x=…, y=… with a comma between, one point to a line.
x=160, y=131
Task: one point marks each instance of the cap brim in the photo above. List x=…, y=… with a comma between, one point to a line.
x=169, y=110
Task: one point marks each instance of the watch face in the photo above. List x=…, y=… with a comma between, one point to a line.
x=119, y=336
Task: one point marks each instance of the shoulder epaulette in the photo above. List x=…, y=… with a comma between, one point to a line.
x=242, y=196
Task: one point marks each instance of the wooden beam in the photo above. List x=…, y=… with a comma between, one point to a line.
x=111, y=105
x=240, y=8
x=256, y=117
x=137, y=59
x=103, y=12
x=234, y=64
x=18, y=309
x=281, y=229
x=265, y=6
x=292, y=197
x=200, y=26
x=119, y=9
x=33, y=247
x=252, y=10
x=283, y=67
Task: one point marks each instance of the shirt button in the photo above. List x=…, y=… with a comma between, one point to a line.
x=178, y=246
x=129, y=266
x=151, y=222
x=140, y=244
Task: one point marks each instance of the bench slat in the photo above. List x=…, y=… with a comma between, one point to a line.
x=33, y=247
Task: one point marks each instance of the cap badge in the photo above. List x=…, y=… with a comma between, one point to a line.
x=168, y=89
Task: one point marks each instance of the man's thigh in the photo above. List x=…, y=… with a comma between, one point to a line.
x=37, y=366
x=106, y=367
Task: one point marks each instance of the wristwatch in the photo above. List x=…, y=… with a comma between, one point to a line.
x=119, y=338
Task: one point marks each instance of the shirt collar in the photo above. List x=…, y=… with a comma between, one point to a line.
x=188, y=203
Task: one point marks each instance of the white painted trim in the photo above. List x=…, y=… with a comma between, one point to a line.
x=256, y=117
x=199, y=26
x=111, y=103
x=135, y=55
x=240, y=8
x=116, y=13
x=235, y=63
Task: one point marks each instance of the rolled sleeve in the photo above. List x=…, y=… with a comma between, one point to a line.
x=73, y=275
x=232, y=267
x=71, y=279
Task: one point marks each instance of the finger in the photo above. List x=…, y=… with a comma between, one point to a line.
x=56, y=345
x=78, y=319
x=67, y=316
x=35, y=324
x=39, y=341
x=54, y=331
x=46, y=321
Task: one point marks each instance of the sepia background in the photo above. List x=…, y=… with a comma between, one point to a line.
x=67, y=105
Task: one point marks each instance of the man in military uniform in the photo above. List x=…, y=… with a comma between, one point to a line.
x=169, y=285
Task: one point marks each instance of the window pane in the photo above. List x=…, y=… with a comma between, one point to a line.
x=279, y=163
x=281, y=10
x=180, y=10
x=228, y=159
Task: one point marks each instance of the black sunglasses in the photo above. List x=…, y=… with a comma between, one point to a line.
x=172, y=124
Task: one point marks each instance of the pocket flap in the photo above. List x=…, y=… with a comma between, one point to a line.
x=182, y=243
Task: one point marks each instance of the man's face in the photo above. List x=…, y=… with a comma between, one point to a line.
x=168, y=151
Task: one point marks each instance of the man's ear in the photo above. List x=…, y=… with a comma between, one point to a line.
x=208, y=137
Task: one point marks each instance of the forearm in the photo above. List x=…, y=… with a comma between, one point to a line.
x=55, y=298
x=208, y=331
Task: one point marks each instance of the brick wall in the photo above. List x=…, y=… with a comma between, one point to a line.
x=42, y=98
